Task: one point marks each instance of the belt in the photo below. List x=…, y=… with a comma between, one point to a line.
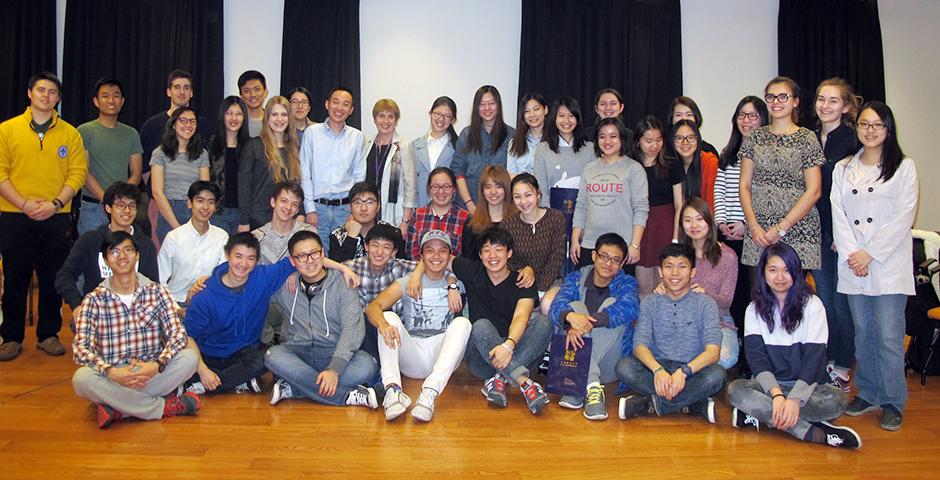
x=86, y=198
x=332, y=202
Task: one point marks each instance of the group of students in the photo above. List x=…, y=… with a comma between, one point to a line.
x=351, y=258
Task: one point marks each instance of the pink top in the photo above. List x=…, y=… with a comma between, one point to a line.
x=719, y=280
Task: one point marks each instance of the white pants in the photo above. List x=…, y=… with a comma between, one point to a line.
x=432, y=358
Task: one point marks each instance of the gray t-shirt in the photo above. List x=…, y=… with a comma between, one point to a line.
x=179, y=174
x=677, y=330
x=429, y=315
x=611, y=198
x=109, y=151
x=255, y=126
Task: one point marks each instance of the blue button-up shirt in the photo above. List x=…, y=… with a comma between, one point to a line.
x=330, y=163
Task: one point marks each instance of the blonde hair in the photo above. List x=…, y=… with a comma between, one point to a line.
x=276, y=164
x=848, y=97
x=386, y=104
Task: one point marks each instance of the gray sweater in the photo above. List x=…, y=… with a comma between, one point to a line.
x=677, y=330
x=550, y=166
x=612, y=198
x=331, y=320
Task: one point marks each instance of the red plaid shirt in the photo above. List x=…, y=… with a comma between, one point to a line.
x=108, y=333
x=424, y=220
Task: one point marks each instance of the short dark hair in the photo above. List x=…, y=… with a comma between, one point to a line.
x=121, y=190
x=251, y=75
x=242, y=238
x=621, y=129
x=612, y=91
x=177, y=74
x=114, y=239
x=687, y=102
x=384, y=231
x=203, y=186
x=340, y=88
x=612, y=239
x=301, y=236
x=677, y=250
x=363, y=187
x=287, y=186
x=45, y=75
x=107, y=81
x=495, y=236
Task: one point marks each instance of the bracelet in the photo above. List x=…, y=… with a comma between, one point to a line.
x=772, y=397
x=58, y=204
x=24, y=203
x=633, y=245
x=511, y=351
x=658, y=369
x=511, y=340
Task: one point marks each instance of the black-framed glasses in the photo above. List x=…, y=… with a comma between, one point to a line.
x=117, y=252
x=865, y=126
x=442, y=116
x=749, y=116
x=300, y=103
x=444, y=188
x=125, y=206
x=604, y=258
x=304, y=257
x=685, y=139
x=780, y=97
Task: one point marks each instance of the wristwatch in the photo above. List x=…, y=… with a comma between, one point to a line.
x=453, y=286
x=781, y=231
x=687, y=370
x=161, y=365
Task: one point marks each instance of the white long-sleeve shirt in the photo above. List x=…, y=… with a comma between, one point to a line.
x=185, y=255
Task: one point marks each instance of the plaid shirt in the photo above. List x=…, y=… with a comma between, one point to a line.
x=108, y=333
x=424, y=219
x=371, y=285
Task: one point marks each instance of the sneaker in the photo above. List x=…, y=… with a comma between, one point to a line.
x=571, y=401
x=596, y=406
x=739, y=419
x=839, y=381
x=10, y=350
x=107, y=416
x=395, y=403
x=860, y=406
x=52, y=346
x=250, y=386
x=545, y=362
x=495, y=391
x=703, y=409
x=280, y=391
x=424, y=409
x=362, y=397
x=185, y=404
x=891, y=419
x=535, y=397
x=635, y=406
x=841, y=437
x=196, y=387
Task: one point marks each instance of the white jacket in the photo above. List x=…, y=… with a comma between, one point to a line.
x=876, y=216
x=391, y=212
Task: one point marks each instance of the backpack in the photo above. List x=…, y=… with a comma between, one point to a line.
x=918, y=325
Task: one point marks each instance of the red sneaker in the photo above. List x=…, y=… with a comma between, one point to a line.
x=108, y=415
x=185, y=404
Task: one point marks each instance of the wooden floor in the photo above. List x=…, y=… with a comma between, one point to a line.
x=46, y=431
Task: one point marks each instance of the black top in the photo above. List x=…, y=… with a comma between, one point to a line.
x=375, y=163
x=594, y=296
x=230, y=191
x=151, y=132
x=496, y=303
x=707, y=147
x=354, y=247
x=660, y=189
x=840, y=143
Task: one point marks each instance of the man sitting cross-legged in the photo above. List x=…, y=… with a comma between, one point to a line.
x=130, y=345
x=426, y=341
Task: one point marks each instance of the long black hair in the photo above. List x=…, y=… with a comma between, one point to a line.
x=729, y=156
x=765, y=302
x=169, y=144
x=551, y=129
x=452, y=105
x=499, y=133
x=665, y=158
x=891, y=153
x=218, y=145
x=520, y=142
x=692, y=182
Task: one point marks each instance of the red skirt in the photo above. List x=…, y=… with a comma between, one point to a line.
x=658, y=234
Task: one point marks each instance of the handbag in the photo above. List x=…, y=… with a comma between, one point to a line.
x=568, y=368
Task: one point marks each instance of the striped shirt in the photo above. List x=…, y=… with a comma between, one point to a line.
x=727, y=195
x=108, y=333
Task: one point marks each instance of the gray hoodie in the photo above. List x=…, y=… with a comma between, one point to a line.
x=331, y=320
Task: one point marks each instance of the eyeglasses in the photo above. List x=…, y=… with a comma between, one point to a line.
x=364, y=202
x=685, y=139
x=234, y=114
x=748, y=116
x=186, y=121
x=117, y=252
x=604, y=258
x=442, y=116
x=865, y=126
x=300, y=103
x=305, y=257
x=441, y=188
x=780, y=97
x=127, y=207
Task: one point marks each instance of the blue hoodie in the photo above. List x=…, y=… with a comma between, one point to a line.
x=223, y=322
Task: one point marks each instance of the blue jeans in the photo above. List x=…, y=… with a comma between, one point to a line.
x=330, y=218
x=90, y=216
x=182, y=213
x=879, y=348
x=827, y=402
x=703, y=384
x=841, y=345
x=300, y=365
x=484, y=337
x=226, y=219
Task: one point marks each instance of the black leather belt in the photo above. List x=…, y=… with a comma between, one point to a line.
x=86, y=198
x=333, y=202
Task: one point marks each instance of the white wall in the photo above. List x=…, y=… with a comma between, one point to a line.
x=253, y=36
x=443, y=48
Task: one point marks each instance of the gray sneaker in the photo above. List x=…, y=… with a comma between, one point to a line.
x=891, y=419
x=572, y=402
x=395, y=403
x=860, y=406
x=52, y=346
x=424, y=409
x=362, y=397
x=10, y=350
x=280, y=391
x=596, y=406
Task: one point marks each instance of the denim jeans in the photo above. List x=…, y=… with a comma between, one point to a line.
x=826, y=403
x=730, y=348
x=90, y=216
x=226, y=219
x=703, y=384
x=484, y=337
x=237, y=369
x=330, y=218
x=841, y=345
x=300, y=365
x=879, y=348
x=182, y=213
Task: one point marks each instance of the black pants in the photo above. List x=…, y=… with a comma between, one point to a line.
x=742, y=290
x=27, y=245
x=237, y=369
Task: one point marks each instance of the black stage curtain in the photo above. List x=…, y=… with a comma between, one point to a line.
x=140, y=42
x=28, y=37
x=577, y=47
x=321, y=51
x=819, y=39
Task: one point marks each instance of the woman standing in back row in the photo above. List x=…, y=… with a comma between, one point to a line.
x=485, y=142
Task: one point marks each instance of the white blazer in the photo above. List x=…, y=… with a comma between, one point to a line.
x=876, y=216
x=391, y=212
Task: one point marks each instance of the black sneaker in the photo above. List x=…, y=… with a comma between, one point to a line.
x=635, y=406
x=841, y=437
x=703, y=409
x=740, y=419
x=495, y=391
x=891, y=419
x=860, y=406
x=535, y=397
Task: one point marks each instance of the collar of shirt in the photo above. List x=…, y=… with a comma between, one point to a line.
x=562, y=142
x=438, y=141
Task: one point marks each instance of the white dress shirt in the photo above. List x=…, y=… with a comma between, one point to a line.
x=436, y=147
x=186, y=255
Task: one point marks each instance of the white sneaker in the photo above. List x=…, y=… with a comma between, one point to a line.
x=281, y=391
x=424, y=409
x=362, y=396
x=196, y=387
x=395, y=403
